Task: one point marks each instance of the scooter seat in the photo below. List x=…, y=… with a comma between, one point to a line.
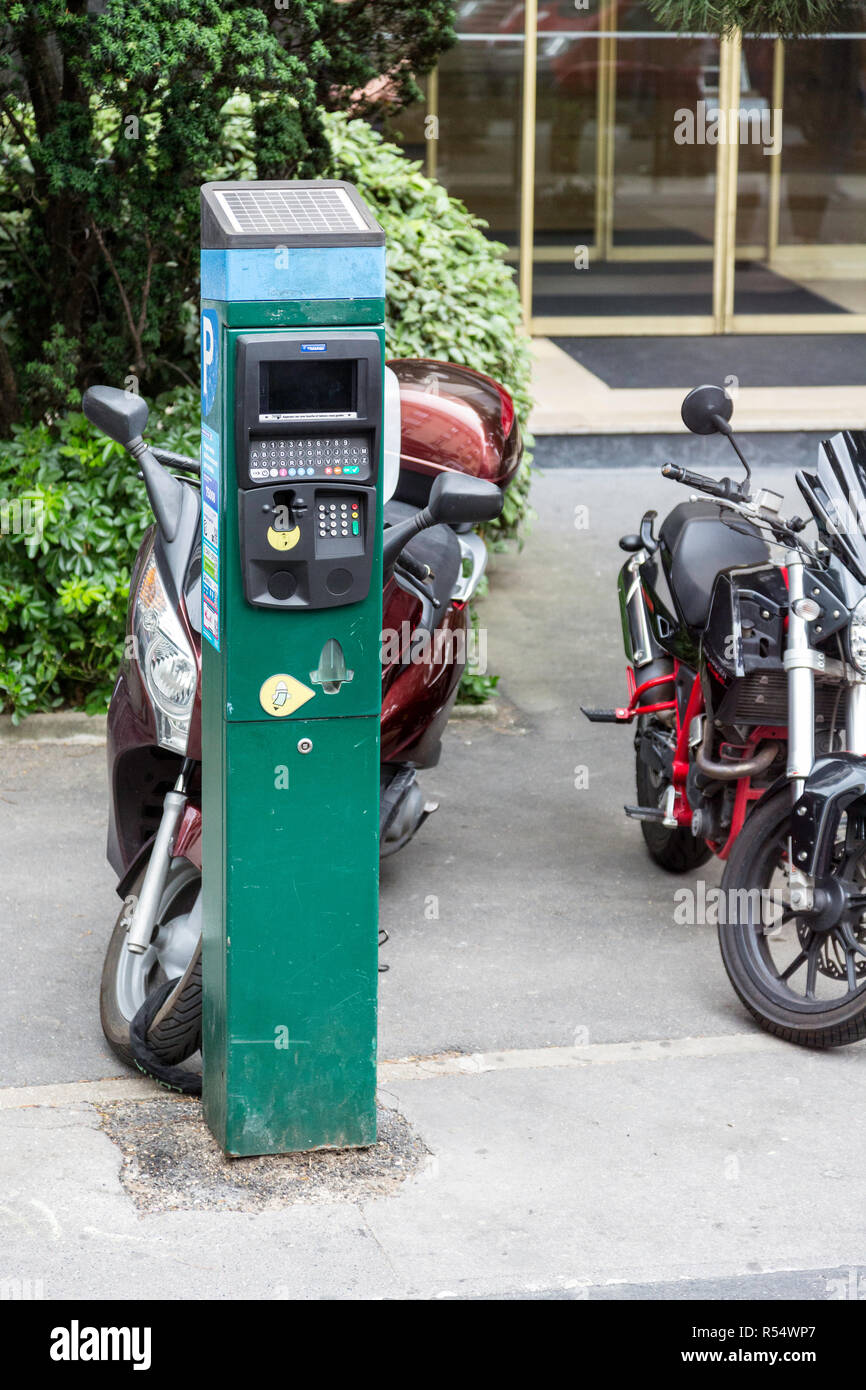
x=700, y=546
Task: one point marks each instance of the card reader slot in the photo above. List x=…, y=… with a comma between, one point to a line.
x=306, y=546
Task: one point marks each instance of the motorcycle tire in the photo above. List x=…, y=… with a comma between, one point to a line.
x=746, y=945
x=175, y=1032
x=676, y=850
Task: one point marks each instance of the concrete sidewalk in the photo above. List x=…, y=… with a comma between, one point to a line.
x=597, y=1116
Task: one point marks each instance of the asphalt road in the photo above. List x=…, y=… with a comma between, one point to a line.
x=526, y=915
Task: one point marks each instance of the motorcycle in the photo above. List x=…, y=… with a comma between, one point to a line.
x=452, y=444
x=746, y=646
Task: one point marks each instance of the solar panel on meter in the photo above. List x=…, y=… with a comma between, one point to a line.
x=253, y=214
x=289, y=210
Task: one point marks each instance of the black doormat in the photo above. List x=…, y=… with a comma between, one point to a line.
x=658, y=236
x=619, y=288
x=797, y=359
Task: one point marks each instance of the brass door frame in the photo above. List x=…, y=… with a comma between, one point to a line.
x=527, y=158
x=727, y=163
x=605, y=130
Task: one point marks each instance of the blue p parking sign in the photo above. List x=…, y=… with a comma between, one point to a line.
x=210, y=360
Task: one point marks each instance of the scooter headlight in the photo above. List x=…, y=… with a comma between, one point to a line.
x=172, y=674
x=166, y=660
x=857, y=635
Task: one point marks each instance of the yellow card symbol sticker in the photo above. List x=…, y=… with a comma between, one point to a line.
x=282, y=695
x=284, y=540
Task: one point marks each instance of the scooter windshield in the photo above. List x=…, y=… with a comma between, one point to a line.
x=836, y=494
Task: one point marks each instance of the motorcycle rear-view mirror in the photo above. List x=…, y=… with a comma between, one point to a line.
x=458, y=497
x=123, y=417
x=707, y=410
x=455, y=498
x=119, y=414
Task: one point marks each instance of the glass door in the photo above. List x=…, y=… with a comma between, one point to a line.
x=801, y=187
x=624, y=205
x=645, y=182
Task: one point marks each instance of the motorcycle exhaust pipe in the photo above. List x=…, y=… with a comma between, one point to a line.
x=144, y=918
x=730, y=772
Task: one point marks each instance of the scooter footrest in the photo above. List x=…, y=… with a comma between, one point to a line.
x=606, y=716
x=644, y=812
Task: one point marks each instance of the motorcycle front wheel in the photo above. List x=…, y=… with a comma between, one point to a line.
x=174, y=953
x=806, y=986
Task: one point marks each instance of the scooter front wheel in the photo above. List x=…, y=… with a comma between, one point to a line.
x=174, y=953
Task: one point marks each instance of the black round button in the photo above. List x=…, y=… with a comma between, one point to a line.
x=282, y=584
x=339, y=581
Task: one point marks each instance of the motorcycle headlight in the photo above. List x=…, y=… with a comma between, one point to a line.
x=857, y=635
x=166, y=660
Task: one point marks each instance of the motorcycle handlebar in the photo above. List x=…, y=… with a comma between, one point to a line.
x=726, y=489
x=179, y=461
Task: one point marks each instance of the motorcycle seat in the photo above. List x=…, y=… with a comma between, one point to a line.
x=700, y=546
x=438, y=548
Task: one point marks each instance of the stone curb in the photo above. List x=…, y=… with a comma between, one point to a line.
x=69, y=726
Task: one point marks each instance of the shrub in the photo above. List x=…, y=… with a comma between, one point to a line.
x=63, y=593
x=73, y=512
x=786, y=18
x=449, y=292
x=111, y=111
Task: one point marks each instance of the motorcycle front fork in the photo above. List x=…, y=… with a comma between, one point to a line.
x=143, y=920
x=801, y=663
x=799, y=659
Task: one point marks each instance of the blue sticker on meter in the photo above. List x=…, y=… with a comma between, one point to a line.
x=210, y=535
x=210, y=360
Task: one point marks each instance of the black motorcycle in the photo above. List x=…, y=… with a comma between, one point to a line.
x=746, y=646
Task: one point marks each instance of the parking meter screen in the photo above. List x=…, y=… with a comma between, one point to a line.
x=298, y=390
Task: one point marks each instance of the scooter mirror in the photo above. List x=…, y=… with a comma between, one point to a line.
x=707, y=410
x=119, y=414
x=457, y=497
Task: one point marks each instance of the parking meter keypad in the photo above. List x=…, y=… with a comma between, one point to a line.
x=313, y=456
x=339, y=524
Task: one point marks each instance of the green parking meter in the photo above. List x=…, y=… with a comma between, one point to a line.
x=293, y=283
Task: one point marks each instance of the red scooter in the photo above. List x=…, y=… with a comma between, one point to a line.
x=452, y=445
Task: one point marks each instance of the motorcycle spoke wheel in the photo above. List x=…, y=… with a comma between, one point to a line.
x=801, y=980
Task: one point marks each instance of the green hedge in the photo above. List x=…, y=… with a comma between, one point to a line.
x=64, y=580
